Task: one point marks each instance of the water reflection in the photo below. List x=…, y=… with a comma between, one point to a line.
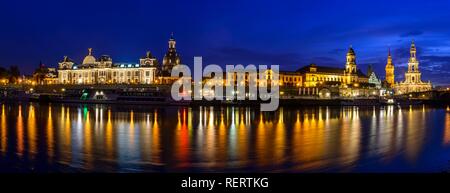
x=116, y=138
x=20, y=142
x=447, y=128
x=50, y=139
x=4, y=131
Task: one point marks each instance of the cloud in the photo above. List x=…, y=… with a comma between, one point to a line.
x=324, y=59
x=436, y=64
x=435, y=68
x=337, y=51
x=411, y=34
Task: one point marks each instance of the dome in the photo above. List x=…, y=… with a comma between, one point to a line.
x=89, y=59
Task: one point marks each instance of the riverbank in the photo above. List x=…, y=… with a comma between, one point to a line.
x=297, y=102
x=159, y=95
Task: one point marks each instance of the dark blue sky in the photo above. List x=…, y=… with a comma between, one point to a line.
x=289, y=33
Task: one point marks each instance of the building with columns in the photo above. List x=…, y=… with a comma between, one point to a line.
x=313, y=75
x=104, y=71
x=413, y=81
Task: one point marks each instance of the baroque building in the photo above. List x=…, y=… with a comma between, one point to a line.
x=313, y=75
x=390, y=76
x=104, y=71
x=413, y=81
x=171, y=58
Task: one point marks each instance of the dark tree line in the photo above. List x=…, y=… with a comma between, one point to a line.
x=12, y=74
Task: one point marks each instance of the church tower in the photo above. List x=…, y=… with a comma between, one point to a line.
x=390, y=77
x=413, y=74
x=171, y=59
x=413, y=82
x=350, y=66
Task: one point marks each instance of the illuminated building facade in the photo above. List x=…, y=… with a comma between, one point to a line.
x=104, y=71
x=171, y=58
x=314, y=76
x=390, y=76
x=44, y=75
x=373, y=79
x=413, y=81
x=309, y=80
x=288, y=78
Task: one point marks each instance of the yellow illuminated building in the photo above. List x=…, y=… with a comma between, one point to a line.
x=413, y=81
x=390, y=76
x=290, y=78
x=314, y=76
x=102, y=70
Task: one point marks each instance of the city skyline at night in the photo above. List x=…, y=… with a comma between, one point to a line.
x=226, y=95
x=292, y=34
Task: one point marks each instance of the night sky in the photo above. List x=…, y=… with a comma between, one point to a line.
x=289, y=33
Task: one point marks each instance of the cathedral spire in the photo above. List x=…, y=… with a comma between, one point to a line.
x=389, y=59
x=369, y=70
x=172, y=42
x=171, y=58
x=413, y=49
x=389, y=69
x=413, y=81
x=350, y=49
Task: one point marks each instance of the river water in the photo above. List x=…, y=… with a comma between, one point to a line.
x=113, y=138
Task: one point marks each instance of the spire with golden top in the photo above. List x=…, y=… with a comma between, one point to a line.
x=389, y=60
x=413, y=50
x=390, y=77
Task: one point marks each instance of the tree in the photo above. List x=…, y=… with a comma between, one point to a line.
x=14, y=74
x=4, y=74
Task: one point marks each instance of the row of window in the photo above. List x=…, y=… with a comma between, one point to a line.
x=336, y=79
x=120, y=80
x=291, y=79
x=103, y=73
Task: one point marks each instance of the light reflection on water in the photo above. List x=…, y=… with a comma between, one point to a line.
x=309, y=139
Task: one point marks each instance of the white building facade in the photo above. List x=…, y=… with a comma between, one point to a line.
x=104, y=71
